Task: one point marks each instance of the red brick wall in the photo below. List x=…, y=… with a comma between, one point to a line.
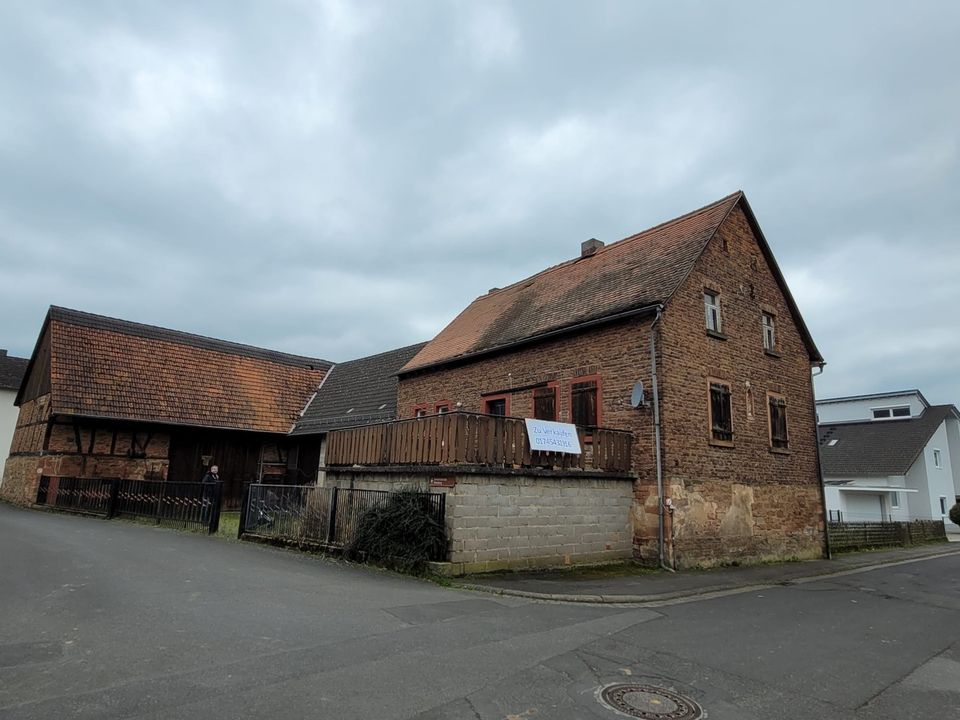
x=745, y=500
x=619, y=353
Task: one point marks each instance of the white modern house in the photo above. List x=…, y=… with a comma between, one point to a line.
x=11, y=373
x=889, y=456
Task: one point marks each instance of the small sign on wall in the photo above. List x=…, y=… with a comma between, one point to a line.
x=549, y=436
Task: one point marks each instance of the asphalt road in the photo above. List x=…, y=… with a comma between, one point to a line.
x=115, y=620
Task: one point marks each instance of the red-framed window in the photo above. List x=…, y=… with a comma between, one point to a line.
x=586, y=400
x=421, y=410
x=497, y=404
x=442, y=407
x=546, y=402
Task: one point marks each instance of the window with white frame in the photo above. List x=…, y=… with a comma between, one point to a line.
x=894, y=500
x=937, y=461
x=943, y=505
x=769, y=331
x=711, y=307
x=888, y=413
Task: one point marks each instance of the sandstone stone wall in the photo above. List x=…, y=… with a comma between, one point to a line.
x=746, y=500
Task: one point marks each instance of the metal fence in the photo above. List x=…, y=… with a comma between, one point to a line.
x=307, y=514
x=88, y=495
x=190, y=505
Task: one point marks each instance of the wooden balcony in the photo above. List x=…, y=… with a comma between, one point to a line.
x=461, y=438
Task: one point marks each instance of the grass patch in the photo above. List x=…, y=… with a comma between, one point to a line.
x=229, y=524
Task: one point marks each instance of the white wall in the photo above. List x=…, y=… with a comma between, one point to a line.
x=8, y=421
x=940, y=480
x=857, y=506
x=953, y=437
x=848, y=410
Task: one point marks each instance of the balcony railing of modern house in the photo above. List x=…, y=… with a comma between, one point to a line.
x=462, y=438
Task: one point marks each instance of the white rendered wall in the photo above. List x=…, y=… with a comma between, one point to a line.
x=864, y=506
x=8, y=421
x=953, y=438
x=940, y=479
x=849, y=410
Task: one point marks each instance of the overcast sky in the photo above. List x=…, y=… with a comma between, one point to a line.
x=337, y=179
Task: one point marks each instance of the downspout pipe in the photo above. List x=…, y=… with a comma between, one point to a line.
x=661, y=540
x=816, y=440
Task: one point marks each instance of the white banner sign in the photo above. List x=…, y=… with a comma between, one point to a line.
x=553, y=436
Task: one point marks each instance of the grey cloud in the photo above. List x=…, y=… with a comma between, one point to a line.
x=337, y=179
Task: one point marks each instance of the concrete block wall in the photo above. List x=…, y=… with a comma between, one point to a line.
x=509, y=521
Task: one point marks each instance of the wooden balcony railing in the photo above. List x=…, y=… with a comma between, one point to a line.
x=461, y=438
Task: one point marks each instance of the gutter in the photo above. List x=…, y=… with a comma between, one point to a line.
x=816, y=445
x=661, y=540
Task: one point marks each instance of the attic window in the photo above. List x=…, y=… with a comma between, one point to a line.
x=711, y=306
x=888, y=413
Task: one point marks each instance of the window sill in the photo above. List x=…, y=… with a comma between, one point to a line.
x=781, y=451
x=722, y=443
x=715, y=334
x=772, y=353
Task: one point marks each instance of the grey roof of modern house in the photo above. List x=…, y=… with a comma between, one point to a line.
x=878, y=447
x=358, y=392
x=12, y=370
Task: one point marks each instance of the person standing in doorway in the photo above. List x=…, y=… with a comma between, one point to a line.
x=212, y=476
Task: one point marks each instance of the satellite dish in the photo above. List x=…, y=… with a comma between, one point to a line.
x=637, y=398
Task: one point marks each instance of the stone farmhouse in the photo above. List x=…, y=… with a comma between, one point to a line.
x=700, y=302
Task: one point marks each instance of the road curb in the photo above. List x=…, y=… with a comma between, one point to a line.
x=695, y=593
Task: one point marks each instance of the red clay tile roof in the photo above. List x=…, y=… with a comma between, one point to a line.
x=639, y=271
x=103, y=367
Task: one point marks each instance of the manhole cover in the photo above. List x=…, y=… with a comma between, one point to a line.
x=649, y=702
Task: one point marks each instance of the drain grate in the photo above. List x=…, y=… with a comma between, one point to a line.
x=649, y=702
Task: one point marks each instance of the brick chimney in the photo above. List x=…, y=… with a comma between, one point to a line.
x=3, y=353
x=589, y=247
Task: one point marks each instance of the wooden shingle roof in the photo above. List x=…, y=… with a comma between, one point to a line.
x=109, y=368
x=638, y=272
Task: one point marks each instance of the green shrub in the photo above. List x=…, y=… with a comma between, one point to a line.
x=955, y=514
x=401, y=533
